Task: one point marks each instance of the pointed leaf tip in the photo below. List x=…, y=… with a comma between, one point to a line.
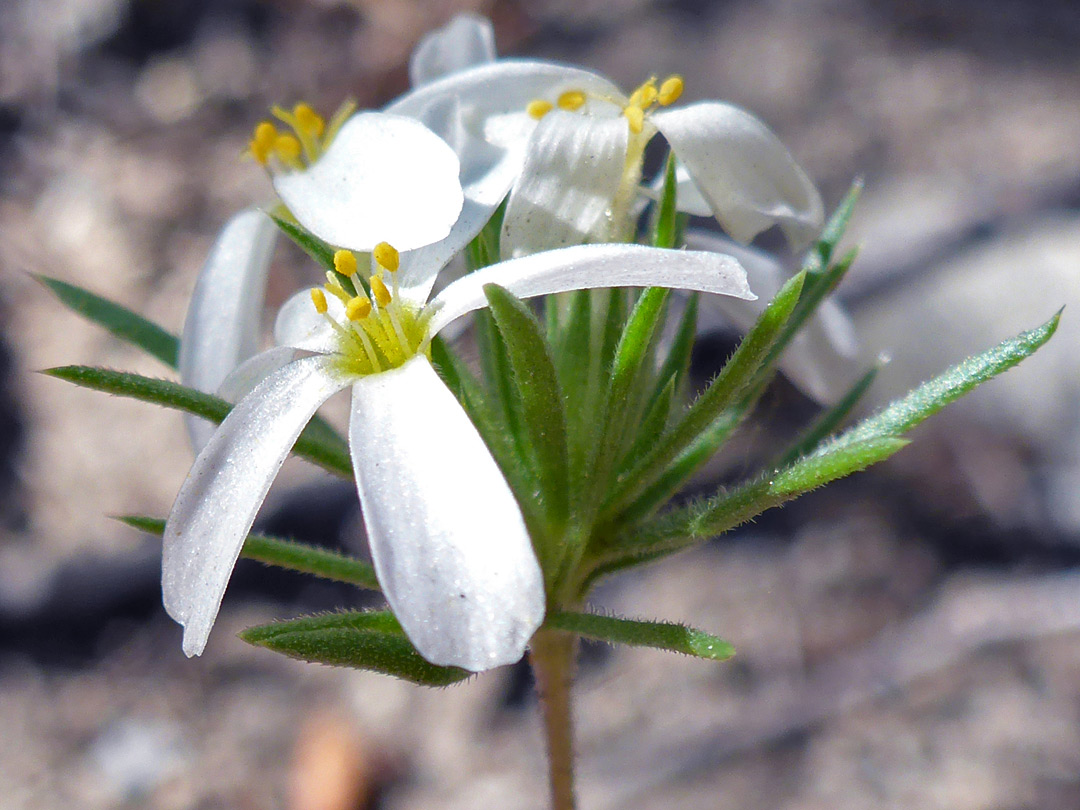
x=677, y=638
x=371, y=640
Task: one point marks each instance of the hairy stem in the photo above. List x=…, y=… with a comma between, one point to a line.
x=552, y=655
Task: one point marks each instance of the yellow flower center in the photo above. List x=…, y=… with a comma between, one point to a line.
x=305, y=137
x=380, y=330
x=635, y=110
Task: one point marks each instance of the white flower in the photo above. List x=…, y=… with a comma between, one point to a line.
x=576, y=172
x=446, y=535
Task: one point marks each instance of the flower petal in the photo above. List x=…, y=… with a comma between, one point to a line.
x=217, y=503
x=245, y=377
x=572, y=172
x=447, y=538
x=821, y=359
x=487, y=172
x=385, y=178
x=465, y=41
x=689, y=198
x=495, y=95
x=300, y=326
x=746, y=174
x=588, y=266
x=222, y=324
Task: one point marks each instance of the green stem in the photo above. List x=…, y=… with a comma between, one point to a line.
x=552, y=654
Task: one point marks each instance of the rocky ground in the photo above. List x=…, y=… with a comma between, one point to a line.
x=908, y=638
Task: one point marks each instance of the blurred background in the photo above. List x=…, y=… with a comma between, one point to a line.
x=907, y=638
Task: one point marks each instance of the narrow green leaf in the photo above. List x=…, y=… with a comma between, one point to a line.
x=665, y=225
x=331, y=457
x=120, y=321
x=830, y=420
x=738, y=373
x=288, y=554
x=676, y=365
x=619, y=409
x=312, y=245
x=678, y=472
x=816, y=289
x=651, y=427
x=371, y=640
x=499, y=378
x=820, y=256
x=544, y=417
x=869, y=442
x=703, y=520
x=675, y=638
x=811, y=472
x=930, y=397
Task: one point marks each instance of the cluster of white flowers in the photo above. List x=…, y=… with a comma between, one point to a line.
x=564, y=148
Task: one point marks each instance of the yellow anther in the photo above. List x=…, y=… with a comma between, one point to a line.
x=572, y=100
x=386, y=256
x=378, y=289
x=358, y=308
x=538, y=108
x=670, y=90
x=307, y=120
x=345, y=262
x=287, y=148
x=635, y=117
x=262, y=141
x=318, y=298
x=644, y=95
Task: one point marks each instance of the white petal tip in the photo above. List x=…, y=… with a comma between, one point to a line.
x=193, y=644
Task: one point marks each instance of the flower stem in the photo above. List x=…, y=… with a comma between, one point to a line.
x=552, y=655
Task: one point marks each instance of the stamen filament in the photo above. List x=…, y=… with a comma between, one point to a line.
x=360, y=330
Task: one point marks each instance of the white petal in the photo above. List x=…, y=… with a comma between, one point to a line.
x=503, y=87
x=742, y=169
x=299, y=325
x=420, y=267
x=446, y=534
x=217, y=503
x=588, y=266
x=222, y=324
x=821, y=359
x=385, y=178
x=688, y=196
x=568, y=183
x=245, y=377
x=465, y=41
x=487, y=173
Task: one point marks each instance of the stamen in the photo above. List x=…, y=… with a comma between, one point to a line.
x=635, y=117
x=358, y=308
x=345, y=262
x=378, y=289
x=287, y=148
x=318, y=298
x=670, y=90
x=333, y=286
x=337, y=120
x=387, y=256
x=262, y=142
x=307, y=120
x=538, y=108
x=360, y=330
x=572, y=100
x=644, y=95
